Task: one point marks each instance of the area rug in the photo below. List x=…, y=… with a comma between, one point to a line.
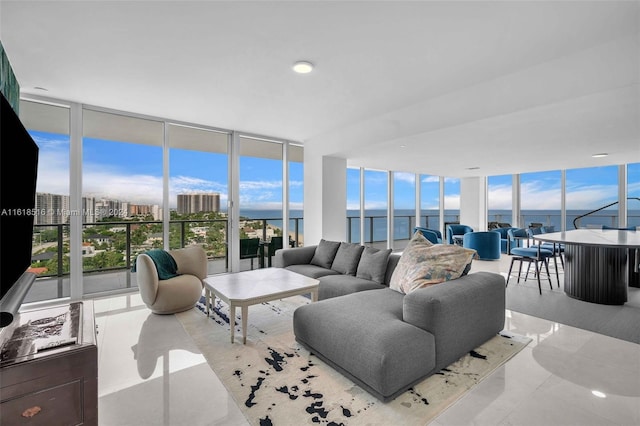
x=275, y=381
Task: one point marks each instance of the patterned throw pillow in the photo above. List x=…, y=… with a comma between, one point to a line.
x=424, y=264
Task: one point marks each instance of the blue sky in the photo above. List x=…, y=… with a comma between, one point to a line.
x=133, y=173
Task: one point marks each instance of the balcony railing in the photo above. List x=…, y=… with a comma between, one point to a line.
x=113, y=246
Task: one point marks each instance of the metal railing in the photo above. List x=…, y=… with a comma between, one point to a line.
x=403, y=227
x=126, y=239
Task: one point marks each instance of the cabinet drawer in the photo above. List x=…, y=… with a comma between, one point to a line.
x=59, y=405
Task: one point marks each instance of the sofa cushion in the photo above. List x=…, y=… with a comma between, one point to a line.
x=373, y=264
x=347, y=258
x=311, y=271
x=423, y=264
x=325, y=253
x=339, y=285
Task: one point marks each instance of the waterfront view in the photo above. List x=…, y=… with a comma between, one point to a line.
x=138, y=167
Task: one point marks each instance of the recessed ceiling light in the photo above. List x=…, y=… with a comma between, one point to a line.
x=599, y=394
x=600, y=155
x=303, y=67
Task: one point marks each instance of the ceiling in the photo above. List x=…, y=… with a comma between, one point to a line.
x=444, y=88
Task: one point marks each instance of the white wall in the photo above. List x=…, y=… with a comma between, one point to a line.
x=325, y=197
x=473, y=202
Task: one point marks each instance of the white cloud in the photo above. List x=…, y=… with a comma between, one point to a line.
x=409, y=178
x=452, y=202
x=430, y=179
x=500, y=197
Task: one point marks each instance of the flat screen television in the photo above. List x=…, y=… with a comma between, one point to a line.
x=18, y=174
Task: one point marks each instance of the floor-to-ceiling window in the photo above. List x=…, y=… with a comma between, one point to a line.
x=48, y=125
x=430, y=202
x=198, y=191
x=260, y=197
x=404, y=205
x=122, y=195
x=541, y=199
x=589, y=189
x=499, y=200
x=296, y=195
x=451, y=202
x=375, y=207
x=353, y=205
x=633, y=193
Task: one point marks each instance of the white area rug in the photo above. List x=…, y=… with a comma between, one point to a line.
x=275, y=381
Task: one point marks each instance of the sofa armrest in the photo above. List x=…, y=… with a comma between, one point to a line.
x=461, y=314
x=293, y=256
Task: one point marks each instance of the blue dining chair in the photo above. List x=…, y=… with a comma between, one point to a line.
x=457, y=230
x=432, y=235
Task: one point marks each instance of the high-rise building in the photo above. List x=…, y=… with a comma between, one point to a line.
x=52, y=209
x=108, y=208
x=200, y=202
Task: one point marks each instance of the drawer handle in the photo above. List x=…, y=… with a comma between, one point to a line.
x=30, y=412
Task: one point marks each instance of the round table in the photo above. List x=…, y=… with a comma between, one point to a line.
x=599, y=263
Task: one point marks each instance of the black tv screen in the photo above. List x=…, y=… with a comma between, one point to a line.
x=18, y=173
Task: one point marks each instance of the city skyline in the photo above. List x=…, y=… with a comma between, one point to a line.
x=133, y=173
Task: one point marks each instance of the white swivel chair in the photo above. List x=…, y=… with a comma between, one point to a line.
x=175, y=294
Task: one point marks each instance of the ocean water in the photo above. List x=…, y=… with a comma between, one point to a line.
x=376, y=220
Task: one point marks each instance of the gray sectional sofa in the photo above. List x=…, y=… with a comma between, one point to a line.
x=387, y=341
x=342, y=268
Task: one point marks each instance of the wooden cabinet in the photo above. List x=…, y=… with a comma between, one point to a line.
x=49, y=367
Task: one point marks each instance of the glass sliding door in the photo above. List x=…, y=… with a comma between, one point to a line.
x=48, y=125
x=296, y=196
x=590, y=189
x=353, y=205
x=499, y=201
x=375, y=207
x=430, y=202
x=633, y=191
x=260, y=198
x=121, y=196
x=404, y=207
x=540, y=199
x=198, y=192
x=451, y=202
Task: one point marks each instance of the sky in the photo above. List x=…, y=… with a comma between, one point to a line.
x=133, y=173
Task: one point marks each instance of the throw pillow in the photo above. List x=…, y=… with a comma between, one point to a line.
x=373, y=264
x=347, y=258
x=325, y=253
x=422, y=265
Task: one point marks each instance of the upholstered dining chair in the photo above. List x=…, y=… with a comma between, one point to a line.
x=536, y=255
x=557, y=250
x=176, y=294
x=457, y=230
x=628, y=228
x=433, y=235
x=485, y=243
x=504, y=238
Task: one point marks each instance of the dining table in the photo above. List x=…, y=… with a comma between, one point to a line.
x=599, y=264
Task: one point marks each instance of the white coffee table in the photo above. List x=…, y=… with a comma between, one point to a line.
x=252, y=287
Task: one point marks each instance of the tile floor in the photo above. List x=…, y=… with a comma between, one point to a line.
x=150, y=373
